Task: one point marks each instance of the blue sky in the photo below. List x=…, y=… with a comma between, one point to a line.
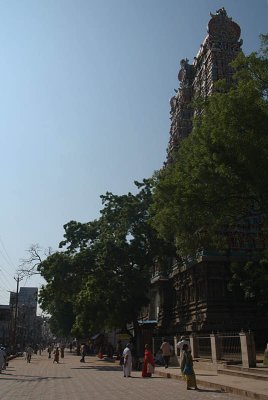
x=84, y=97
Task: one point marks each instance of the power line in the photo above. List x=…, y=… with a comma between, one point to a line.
x=6, y=277
x=2, y=295
x=8, y=258
x=6, y=268
x=3, y=289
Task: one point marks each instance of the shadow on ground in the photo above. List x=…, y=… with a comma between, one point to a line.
x=210, y=390
x=98, y=368
x=29, y=378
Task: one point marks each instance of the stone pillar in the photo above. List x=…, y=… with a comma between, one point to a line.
x=247, y=350
x=194, y=345
x=174, y=358
x=215, y=347
x=175, y=341
x=176, y=350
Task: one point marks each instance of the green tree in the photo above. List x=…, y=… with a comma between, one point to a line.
x=103, y=275
x=124, y=250
x=219, y=175
x=56, y=297
x=252, y=279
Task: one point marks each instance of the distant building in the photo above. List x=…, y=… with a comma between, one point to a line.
x=26, y=318
x=28, y=296
x=5, y=324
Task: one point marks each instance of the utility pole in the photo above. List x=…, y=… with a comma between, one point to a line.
x=18, y=279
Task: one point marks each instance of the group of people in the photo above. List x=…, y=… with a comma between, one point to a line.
x=166, y=350
x=186, y=361
x=57, y=351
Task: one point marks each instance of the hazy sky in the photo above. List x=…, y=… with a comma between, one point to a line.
x=85, y=89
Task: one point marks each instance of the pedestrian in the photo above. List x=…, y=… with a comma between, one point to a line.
x=166, y=351
x=56, y=355
x=49, y=350
x=83, y=350
x=187, y=368
x=78, y=349
x=29, y=351
x=119, y=349
x=62, y=350
x=127, y=366
x=148, y=363
x=2, y=360
x=180, y=345
x=5, y=363
x=71, y=347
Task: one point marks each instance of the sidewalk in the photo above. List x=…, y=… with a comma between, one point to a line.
x=243, y=386
x=95, y=380
x=103, y=379
x=211, y=379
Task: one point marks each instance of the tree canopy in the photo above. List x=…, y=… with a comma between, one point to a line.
x=103, y=276
x=219, y=174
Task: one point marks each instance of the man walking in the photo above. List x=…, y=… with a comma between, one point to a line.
x=180, y=345
x=29, y=351
x=166, y=352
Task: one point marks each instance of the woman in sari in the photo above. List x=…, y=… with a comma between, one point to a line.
x=148, y=364
x=56, y=355
x=187, y=369
x=127, y=361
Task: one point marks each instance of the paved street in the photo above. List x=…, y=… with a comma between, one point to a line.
x=94, y=380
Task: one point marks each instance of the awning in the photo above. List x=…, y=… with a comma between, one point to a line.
x=148, y=322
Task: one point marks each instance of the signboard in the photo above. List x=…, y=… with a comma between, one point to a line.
x=122, y=336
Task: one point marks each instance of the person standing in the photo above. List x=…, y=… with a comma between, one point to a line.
x=2, y=360
x=166, y=352
x=119, y=349
x=29, y=351
x=49, y=350
x=180, y=345
x=56, y=355
x=127, y=365
x=62, y=347
x=5, y=358
x=187, y=368
x=83, y=350
x=148, y=364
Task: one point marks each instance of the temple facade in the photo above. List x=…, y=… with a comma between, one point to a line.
x=212, y=62
x=192, y=295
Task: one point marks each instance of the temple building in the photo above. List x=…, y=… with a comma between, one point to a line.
x=212, y=62
x=193, y=296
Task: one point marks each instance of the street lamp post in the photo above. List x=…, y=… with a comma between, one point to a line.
x=18, y=279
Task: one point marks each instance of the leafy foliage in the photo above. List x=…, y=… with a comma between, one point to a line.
x=57, y=296
x=219, y=174
x=104, y=274
x=252, y=279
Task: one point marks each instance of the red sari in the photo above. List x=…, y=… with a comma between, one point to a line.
x=148, y=359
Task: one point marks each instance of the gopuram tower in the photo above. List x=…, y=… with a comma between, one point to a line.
x=212, y=62
x=193, y=296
